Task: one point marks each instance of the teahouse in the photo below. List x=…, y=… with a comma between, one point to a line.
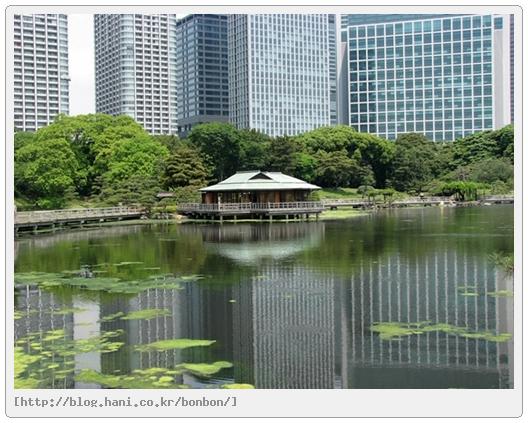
x=257, y=194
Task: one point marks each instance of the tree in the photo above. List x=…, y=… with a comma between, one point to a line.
x=134, y=157
x=220, y=143
x=254, y=147
x=22, y=138
x=334, y=169
x=414, y=162
x=185, y=168
x=283, y=154
x=483, y=145
x=366, y=149
x=491, y=170
x=89, y=137
x=136, y=190
x=45, y=172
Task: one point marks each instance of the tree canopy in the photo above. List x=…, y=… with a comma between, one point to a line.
x=113, y=159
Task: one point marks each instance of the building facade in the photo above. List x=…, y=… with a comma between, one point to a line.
x=444, y=77
x=41, y=82
x=135, y=62
x=282, y=72
x=201, y=70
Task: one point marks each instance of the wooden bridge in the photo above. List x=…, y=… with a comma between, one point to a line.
x=414, y=201
x=33, y=220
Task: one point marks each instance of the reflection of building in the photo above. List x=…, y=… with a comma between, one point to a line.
x=284, y=329
x=39, y=314
x=396, y=289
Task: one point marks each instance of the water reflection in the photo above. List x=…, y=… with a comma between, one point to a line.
x=291, y=305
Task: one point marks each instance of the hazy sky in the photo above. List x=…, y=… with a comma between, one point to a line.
x=81, y=63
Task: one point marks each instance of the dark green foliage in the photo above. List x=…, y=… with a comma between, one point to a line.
x=462, y=191
x=221, y=145
x=283, y=155
x=136, y=190
x=254, y=149
x=185, y=168
x=335, y=169
x=483, y=145
x=372, y=153
x=414, y=163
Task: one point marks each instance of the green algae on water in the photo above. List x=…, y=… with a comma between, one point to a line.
x=146, y=314
x=106, y=284
x=205, y=369
x=237, y=386
x=154, y=378
x=502, y=293
x=173, y=344
x=396, y=330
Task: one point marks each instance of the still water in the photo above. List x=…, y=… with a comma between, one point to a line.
x=288, y=305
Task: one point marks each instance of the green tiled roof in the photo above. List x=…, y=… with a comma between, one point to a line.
x=255, y=180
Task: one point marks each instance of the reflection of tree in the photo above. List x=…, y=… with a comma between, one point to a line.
x=413, y=233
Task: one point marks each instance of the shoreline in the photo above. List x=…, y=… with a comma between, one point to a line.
x=327, y=216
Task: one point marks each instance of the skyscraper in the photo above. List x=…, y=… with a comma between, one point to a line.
x=444, y=77
x=201, y=70
x=41, y=84
x=135, y=61
x=282, y=72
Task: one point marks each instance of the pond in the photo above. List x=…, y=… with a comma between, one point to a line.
x=409, y=298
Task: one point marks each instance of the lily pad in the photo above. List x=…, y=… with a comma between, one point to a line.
x=396, y=330
x=146, y=314
x=503, y=293
x=174, y=344
x=238, y=386
x=205, y=369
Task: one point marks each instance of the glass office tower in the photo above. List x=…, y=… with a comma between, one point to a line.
x=41, y=82
x=282, y=72
x=135, y=61
x=444, y=77
x=201, y=70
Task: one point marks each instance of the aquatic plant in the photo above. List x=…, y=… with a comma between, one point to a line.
x=396, y=330
x=146, y=314
x=42, y=358
x=238, y=386
x=502, y=293
x=173, y=344
x=156, y=377
x=503, y=260
x=153, y=378
x=205, y=369
x=106, y=284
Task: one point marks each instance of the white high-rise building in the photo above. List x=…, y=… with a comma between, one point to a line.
x=135, y=61
x=41, y=83
x=282, y=72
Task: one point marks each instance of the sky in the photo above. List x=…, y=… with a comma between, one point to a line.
x=81, y=63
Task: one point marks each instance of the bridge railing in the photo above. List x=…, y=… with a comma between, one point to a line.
x=291, y=205
x=73, y=214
